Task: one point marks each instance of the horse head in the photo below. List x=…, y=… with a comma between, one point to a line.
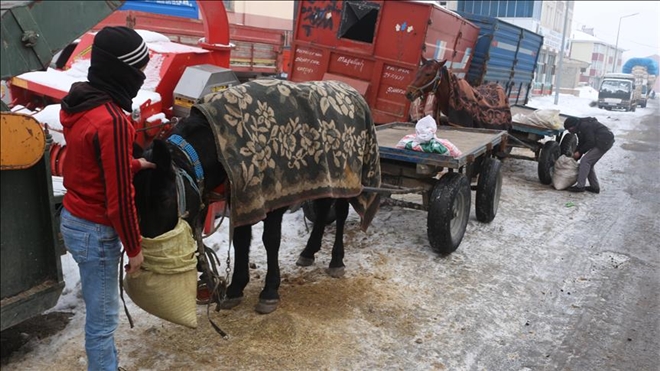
x=186, y=166
x=427, y=78
x=155, y=192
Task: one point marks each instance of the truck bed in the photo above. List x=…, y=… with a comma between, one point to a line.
x=471, y=142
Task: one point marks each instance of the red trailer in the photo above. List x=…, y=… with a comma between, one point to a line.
x=376, y=47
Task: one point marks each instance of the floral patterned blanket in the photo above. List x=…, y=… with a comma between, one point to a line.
x=283, y=143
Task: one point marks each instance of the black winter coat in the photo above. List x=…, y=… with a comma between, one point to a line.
x=592, y=133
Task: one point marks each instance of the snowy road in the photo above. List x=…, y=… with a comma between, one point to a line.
x=558, y=281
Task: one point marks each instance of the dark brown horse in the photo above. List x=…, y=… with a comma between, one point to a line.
x=483, y=107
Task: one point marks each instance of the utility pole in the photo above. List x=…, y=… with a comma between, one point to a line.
x=616, y=48
x=561, y=53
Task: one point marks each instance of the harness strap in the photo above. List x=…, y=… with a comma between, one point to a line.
x=181, y=190
x=433, y=82
x=190, y=153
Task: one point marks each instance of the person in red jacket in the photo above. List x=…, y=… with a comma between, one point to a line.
x=99, y=208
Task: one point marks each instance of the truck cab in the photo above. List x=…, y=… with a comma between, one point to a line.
x=617, y=91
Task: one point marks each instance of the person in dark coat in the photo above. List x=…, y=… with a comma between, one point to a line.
x=594, y=140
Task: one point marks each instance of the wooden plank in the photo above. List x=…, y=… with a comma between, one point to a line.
x=466, y=141
x=472, y=143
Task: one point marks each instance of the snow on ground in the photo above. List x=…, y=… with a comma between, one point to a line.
x=387, y=312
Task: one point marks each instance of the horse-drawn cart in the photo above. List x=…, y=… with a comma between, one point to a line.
x=545, y=153
x=444, y=181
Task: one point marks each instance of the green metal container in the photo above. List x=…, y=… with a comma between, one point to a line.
x=31, y=271
x=34, y=31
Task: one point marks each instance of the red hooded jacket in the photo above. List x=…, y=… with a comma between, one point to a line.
x=98, y=168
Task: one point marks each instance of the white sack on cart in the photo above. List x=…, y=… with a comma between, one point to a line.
x=545, y=118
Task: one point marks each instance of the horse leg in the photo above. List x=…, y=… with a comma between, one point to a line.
x=321, y=210
x=336, y=268
x=241, y=276
x=269, y=297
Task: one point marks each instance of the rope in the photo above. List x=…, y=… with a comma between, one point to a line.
x=121, y=289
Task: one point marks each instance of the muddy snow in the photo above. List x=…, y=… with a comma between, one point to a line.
x=511, y=297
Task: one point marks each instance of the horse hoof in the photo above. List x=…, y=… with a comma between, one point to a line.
x=335, y=272
x=266, y=306
x=229, y=303
x=304, y=262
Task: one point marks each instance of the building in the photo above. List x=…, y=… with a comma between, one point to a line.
x=600, y=55
x=543, y=17
x=263, y=14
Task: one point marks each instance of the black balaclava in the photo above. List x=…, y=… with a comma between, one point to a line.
x=118, y=54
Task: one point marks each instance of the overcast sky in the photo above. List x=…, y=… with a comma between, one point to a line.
x=640, y=34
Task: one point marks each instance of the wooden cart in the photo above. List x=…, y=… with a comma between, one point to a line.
x=545, y=153
x=444, y=181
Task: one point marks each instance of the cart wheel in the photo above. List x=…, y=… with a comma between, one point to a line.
x=489, y=188
x=568, y=144
x=310, y=214
x=549, y=154
x=449, y=209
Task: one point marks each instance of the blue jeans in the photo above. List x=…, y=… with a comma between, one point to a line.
x=97, y=250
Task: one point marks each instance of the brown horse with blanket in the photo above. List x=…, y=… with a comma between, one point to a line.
x=273, y=144
x=485, y=106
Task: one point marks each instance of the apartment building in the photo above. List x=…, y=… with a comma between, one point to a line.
x=586, y=47
x=543, y=17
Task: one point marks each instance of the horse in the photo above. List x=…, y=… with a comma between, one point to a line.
x=485, y=106
x=270, y=144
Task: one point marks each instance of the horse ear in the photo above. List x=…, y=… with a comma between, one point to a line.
x=422, y=61
x=160, y=155
x=442, y=62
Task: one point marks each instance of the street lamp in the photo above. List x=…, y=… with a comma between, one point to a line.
x=616, y=48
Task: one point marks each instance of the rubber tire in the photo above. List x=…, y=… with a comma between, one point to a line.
x=449, y=211
x=549, y=154
x=308, y=211
x=489, y=189
x=569, y=143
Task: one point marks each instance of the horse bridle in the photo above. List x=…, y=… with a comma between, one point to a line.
x=435, y=81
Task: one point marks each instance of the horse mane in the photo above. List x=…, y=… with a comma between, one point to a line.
x=191, y=124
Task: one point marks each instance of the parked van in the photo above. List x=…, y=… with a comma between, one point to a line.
x=617, y=90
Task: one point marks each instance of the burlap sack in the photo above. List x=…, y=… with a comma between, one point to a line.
x=565, y=172
x=166, y=286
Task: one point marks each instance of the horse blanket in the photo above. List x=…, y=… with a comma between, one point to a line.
x=282, y=143
x=485, y=106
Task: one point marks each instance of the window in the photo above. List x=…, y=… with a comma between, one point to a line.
x=502, y=9
x=511, y=9
x=229, y=5
x=358, y=21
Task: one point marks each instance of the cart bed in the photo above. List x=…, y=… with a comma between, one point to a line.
x=526, y=128
x=471, y=142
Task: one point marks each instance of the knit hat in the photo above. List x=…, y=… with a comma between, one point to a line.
x=124, y=43
x=570, y=122
x=118, y=54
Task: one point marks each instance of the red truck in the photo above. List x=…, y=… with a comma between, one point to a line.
x=376, y=47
